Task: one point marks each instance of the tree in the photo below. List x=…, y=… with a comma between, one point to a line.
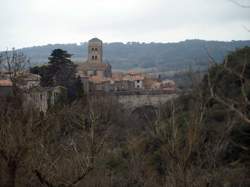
x=46, y=75
x=229, y=83
x=60, y=71
x=59, y=56
x=18, y=138
x=73, y=143
x=13, y=63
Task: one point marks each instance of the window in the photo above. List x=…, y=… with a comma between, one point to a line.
x=93, y=57
x=93, y=49
x=138, y=81
x=96, y=49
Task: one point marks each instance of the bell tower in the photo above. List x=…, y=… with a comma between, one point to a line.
x=95, y=51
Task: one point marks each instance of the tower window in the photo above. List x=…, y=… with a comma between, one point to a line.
x=93, y=57
x=93, y=49
x=96, y=49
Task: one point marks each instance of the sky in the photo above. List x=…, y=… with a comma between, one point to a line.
x=25, y=23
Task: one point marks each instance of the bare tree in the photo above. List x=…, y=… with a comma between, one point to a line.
x=17, y=138
x=69, y=154
x=238, y=104
x=12, y=64
x=192, y=155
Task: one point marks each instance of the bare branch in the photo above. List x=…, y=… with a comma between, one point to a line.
x=42, y=179
x=241, y=114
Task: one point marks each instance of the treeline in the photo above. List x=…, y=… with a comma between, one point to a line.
x=160, y=56
x=202, y=138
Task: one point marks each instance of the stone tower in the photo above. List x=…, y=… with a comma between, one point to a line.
x=95, y=51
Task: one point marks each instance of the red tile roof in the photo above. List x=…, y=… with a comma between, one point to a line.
x=6, y=83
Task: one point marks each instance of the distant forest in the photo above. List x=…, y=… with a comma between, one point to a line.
x=148, y=56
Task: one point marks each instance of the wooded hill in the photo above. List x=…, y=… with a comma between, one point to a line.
x=158, y=56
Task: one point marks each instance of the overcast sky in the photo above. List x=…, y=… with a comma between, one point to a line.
x=26, y=23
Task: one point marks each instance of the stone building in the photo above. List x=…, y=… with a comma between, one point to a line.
x=6, y=87
x=43, y=98
x=152, y=83
x=28, y=80
x=168, y=85
x=95, y=66
x=97, y=76
x=95, y=51
x=94, y=69
x=136, y=78
x=122, y=85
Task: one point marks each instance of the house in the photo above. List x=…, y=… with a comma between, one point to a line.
x=44, y=98
x=6, y=87
x=136, y=78
x=168, y=85
x=28, y=80
x=152, y=84
x=122, y=85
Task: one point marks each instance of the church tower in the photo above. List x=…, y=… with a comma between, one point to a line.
x=95, y=51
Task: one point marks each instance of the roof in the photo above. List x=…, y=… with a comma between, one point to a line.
x=149, y=82
x=93, y=66
x=132, y=73
x=6, y=83
x=30, y=77
x=95, y=40
x=168, y=82
x=97, y=79
x=133, y=77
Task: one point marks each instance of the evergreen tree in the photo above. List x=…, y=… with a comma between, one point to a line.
x=60, y=57
x=60, y=71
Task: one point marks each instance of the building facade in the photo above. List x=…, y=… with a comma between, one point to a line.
x=6, y=87
x=42, y=98
x=95, y=51
x=94, y=65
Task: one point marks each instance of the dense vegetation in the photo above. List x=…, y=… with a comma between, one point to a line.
x=159, y=56
x=202, y=138
x=60, y=71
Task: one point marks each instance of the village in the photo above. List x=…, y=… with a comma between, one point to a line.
x=114, y=93
x=96, y=78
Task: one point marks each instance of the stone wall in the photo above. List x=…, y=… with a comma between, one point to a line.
x=134, y=101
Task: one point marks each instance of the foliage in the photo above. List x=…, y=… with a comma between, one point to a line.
x=18, y=138
x=60, y=71
x=193, y=140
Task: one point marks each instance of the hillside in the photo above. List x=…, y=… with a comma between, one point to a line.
x=158, y=56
